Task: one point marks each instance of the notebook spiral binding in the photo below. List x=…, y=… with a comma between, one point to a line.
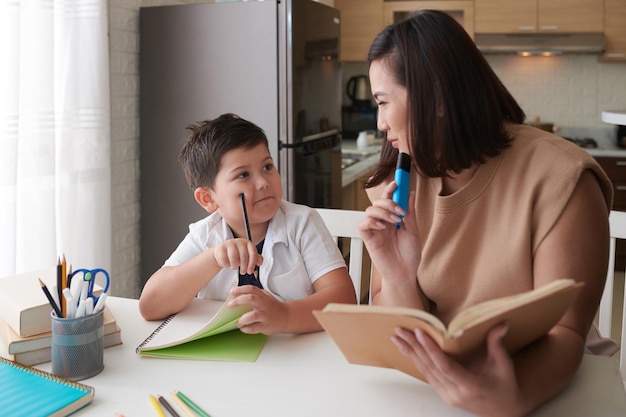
x=157, y=330
x=47, y=375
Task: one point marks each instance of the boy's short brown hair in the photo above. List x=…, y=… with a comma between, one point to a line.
x=209, y=140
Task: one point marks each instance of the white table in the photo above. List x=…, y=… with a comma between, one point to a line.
x=302, y=375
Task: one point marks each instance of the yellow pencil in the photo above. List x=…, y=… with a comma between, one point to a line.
x=157, y=406
x=188, y=411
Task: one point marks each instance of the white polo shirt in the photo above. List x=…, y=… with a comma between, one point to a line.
x=298, y=250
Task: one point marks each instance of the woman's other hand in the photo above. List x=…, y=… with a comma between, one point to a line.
x=487, y=389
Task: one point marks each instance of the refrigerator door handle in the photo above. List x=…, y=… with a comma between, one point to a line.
x=307, y=140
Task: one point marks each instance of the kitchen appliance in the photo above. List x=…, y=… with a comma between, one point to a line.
x=271, y=62
x=621, y=136
x=355, y=120
x=357, y=90
x=541, y=43
x=361, y=115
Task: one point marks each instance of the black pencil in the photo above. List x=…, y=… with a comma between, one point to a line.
x=50, y=299
x=245, y=216
x=167, y=406
x=59, y=280
x=247, y=225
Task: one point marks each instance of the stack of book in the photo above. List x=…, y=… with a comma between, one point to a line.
x=25, y=322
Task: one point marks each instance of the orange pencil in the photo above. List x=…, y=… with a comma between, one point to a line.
x=63, y=285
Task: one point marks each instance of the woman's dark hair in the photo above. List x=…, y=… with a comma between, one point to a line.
x=209, y=140
x=456, y=105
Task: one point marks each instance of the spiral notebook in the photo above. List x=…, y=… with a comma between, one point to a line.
x=29, y=392
x=206, y=329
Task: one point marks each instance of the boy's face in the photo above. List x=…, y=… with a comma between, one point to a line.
x=251, y=172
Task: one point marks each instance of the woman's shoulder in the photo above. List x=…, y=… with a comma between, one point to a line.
x=551, y=161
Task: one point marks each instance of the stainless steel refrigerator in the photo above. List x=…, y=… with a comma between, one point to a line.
x=272, y=62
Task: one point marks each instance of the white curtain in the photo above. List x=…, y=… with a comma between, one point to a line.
x=54, y=135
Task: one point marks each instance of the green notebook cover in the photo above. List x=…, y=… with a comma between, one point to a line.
x=190, y=335
x=29, y=392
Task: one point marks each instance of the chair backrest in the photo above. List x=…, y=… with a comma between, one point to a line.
x=344, y=224
x=617, y=222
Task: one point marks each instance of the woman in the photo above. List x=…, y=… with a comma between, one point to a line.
x=497, y=208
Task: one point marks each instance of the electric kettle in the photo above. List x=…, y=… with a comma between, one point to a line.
x=357, y=90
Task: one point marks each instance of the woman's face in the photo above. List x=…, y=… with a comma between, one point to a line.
x=391, y=99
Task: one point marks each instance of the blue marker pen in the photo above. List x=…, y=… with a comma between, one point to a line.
x=403, y=179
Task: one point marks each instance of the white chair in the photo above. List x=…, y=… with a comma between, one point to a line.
x=344, y=224
x=617, y=221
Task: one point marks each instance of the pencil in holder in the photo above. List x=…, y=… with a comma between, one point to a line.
x=77, y=346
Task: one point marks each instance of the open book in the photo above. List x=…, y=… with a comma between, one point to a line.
x=205, y=329
x=363, y=333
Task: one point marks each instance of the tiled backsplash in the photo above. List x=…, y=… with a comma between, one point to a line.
x=569, y=90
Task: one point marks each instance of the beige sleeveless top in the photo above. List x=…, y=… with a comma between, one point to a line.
x=479, y=242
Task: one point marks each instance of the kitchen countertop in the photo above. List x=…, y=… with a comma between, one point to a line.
x=606, y=148
x=368, y=158
x=370, y=155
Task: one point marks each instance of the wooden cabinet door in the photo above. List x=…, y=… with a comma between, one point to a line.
x=615, y=30
x=505, y=16
x=574, y=16
x=462, y=11
x=361, y=21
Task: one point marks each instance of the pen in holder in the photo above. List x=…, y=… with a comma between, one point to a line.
x=77, y=346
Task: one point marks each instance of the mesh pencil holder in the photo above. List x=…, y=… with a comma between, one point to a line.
x=77, y=346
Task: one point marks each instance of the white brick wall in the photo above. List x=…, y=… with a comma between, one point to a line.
x=569, y=91
x=123, y=56
x=124, y=79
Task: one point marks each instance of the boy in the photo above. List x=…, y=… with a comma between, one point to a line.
x=288, y=267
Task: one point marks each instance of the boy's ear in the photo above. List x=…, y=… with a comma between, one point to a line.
x=204, y=197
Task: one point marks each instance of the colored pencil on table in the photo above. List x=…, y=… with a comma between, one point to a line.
x=192, y=405
x=167, y=406
x=156, y=406
x=188, y=411
x=50, y=299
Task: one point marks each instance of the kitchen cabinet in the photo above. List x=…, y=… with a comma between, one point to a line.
x=615, y=30
x=532, y=16
x=354, y=195
x=615, y=168
x=462, y=11
x=361, y=21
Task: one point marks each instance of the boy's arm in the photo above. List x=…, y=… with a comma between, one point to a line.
x=333, y=287
x=270, y=316
x=171, y=288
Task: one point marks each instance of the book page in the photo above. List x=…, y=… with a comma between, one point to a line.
x=492, y=308
x=390, y=310
x=199, y=319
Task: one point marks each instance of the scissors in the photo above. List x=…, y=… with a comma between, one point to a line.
x=89, y=276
